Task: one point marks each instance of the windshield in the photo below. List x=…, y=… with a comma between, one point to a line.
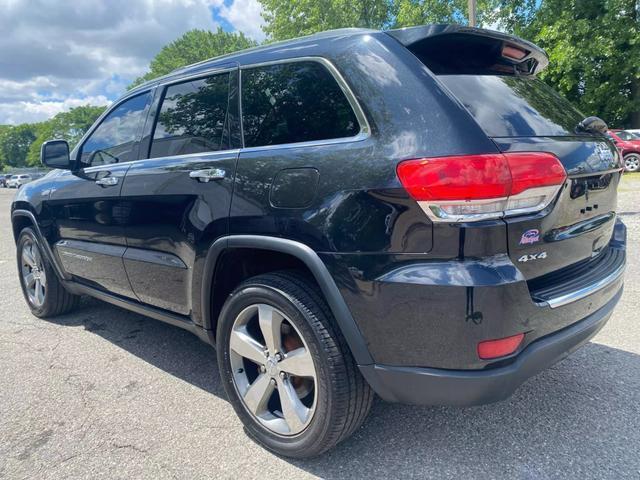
x=627, y=135
x=511, y=106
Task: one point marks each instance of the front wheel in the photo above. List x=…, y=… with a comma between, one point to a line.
x=286, y=368
x=44, y=293
x=632, y=162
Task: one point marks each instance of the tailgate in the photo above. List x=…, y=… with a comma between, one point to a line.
x=522, y=114
x=492, y=75
x=580, y=223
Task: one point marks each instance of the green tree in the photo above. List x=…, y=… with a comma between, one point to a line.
x=194, y=46
x=420, y=12
x=594, y=52
x=69, y=126
x=3, y=130
x=293, y=18
x=15, y=143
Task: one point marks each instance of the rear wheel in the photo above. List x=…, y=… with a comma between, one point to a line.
x=632, y=162
x=42, y=290
x=285, y=367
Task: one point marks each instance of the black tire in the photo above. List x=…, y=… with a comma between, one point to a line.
x=57, y=300
x=343, y=397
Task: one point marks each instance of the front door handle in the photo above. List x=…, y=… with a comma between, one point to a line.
x=208, y=174
x=107, y=181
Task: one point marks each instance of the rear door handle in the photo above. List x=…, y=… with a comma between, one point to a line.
x=107, y=181
x=208, y=174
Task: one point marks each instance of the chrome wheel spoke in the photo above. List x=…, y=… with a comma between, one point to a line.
x=36, y=255
x=257, y=395
x=299, y=363
x=246, y=346
x=259, y=367
x=293, y=411
x=30, y=280
x=27, y=257
x=270, y=323
x=39, y=292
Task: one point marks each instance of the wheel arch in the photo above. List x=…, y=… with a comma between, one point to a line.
x=302, y=254
x=21, y=219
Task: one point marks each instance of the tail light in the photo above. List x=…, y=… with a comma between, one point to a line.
x=481, y=187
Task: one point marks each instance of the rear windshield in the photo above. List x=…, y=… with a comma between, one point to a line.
x=509, y=106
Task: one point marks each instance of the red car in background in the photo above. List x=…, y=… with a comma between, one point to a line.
x=629, y=145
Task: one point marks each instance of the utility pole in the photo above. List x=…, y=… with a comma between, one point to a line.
x=472, y=13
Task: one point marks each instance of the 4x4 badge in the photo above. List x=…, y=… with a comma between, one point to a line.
x=530, y=236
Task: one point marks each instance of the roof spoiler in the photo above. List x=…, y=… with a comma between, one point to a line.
x=459, y=49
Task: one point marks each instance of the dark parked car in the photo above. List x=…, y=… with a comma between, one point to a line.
x=4, y=179
x=410, y=213
x=629, y=146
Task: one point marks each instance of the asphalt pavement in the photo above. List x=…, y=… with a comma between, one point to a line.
x=104, y=393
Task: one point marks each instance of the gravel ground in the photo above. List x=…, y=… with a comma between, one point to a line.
x=104, y=393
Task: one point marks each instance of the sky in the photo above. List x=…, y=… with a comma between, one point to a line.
x=58, y=54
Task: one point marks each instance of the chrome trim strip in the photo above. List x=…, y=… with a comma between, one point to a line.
x=585, y=291
x=436, y=214
x=314, y=143
x=365, y=128
x=198, y=75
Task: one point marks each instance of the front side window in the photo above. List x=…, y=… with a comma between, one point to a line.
x=116, y=136
x=294, y=102
x=193, y=118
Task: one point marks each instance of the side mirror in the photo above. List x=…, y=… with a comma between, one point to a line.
x=55, y=154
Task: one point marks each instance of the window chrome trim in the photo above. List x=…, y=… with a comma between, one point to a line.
x=203, y=156
x=198, y=76
x=365, y=128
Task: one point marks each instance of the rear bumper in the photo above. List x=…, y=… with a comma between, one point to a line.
x=419, y=311
x=432, y=386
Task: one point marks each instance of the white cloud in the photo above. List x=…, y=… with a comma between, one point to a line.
x=33, y=111
x=55, y=55
x=245, y=16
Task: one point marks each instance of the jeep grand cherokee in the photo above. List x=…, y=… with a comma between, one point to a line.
x=411, y=213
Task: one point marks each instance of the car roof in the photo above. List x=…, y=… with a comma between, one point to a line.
x=329, y=39
x=249, y=55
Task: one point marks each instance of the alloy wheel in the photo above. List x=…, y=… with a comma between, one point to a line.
x=632, y=163
x=33, y=273
x=273, y=370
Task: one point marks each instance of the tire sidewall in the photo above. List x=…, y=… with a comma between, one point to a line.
x=297, y=314
x=29, y=234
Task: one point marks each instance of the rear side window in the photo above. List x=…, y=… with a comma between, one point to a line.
x=114, y=140
x=294, y=102
x=193, y=118
x=514, y=106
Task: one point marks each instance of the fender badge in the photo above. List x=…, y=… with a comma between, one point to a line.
x=530, y=236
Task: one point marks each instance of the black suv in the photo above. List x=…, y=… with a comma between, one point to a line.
x=410, y=213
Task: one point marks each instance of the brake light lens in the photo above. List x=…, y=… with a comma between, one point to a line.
x=500, y=347
x=514, y=53
x=481, y=187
